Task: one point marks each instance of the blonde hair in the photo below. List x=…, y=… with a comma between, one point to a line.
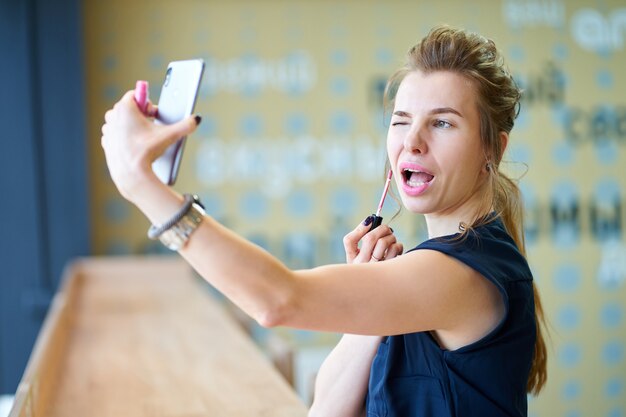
x=477, y=59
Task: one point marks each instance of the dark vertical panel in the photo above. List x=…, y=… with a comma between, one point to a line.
x=19, y=248
x=63, y=133
x=42, y=167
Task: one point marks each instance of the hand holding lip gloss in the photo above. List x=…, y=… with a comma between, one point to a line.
x=378, y=220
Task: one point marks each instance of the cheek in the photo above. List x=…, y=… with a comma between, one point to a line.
x=393, y=147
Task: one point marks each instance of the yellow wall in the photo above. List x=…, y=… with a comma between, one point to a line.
x=290, y=152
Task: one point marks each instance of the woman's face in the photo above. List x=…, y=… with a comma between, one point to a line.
x=434, y=144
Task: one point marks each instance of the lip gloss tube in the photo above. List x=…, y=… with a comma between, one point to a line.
x=378, y=220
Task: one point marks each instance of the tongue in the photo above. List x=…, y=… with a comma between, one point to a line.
x=420, y=177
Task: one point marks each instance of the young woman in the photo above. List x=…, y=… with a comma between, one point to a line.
x=450, y=328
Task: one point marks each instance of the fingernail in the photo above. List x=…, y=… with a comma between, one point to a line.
x=391, y=228
x=198, y=119
x=368, y=220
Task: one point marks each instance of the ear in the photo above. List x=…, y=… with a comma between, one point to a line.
x=504, y=141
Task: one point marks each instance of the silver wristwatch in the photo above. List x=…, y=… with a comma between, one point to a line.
x=177, y=236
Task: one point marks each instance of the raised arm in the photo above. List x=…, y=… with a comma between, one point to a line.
x=421, y=290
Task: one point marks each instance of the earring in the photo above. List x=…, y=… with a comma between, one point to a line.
x=488, y=166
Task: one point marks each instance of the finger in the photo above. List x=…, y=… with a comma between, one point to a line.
x=128, y=96
x=368, y=243
x=350, y=247
x=352, y=239
x=108, y=116
x=394, y=250
x=127, y=99
x=182, y=128
x=381, y=247
x=152, y=110
x=370, y=240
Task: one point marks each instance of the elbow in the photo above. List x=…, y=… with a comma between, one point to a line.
x=277, y=313
x=269, y=318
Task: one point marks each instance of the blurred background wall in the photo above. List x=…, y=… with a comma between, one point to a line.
x=290, y=152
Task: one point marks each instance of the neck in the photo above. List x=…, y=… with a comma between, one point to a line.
x=448, y=222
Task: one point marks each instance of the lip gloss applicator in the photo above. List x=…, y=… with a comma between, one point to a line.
x=377, y=219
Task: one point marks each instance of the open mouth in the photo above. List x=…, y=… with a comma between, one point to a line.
x=415, y=177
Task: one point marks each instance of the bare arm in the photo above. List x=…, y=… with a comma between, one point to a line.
x=342, y=381
x=422, y=290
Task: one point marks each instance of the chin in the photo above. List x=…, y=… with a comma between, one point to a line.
x=415, y=207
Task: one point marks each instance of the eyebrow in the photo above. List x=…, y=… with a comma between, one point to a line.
x=438, y=110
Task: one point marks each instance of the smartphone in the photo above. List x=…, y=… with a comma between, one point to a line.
x=176, y=101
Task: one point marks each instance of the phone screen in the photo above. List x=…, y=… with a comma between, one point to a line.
x=176, y=101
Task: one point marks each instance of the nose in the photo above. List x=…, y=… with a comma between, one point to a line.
x=415, y=141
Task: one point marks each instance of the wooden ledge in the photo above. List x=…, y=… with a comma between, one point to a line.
x=142, y=337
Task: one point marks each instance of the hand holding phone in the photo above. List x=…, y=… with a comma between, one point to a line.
x=176, y=101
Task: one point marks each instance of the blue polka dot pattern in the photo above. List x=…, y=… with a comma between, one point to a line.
x=254, y=205
x=560, y=114
x=570, y=355
x=340, y=86
x=560, y=51
x=565, y=233
x=213, y=205
x=611, y=315
x=111, y=93
x=607, y=189
x=563, y=154
x=613, y=353
x=517, y=53
x=604, y=79
x=567, y=278
x=523, y=120
x=251, y=125
x=571, y=390
x=208, y=127
x=606, y=151
x=156, y=62
x=341, y=122
x=614, y=387
x=110, y=63
x=300, y=203
x=521, y=153
x=339, y=57
x=297, y=124
x=569, y=317
x=384, y=56
x=343, y=201
x=116, y=210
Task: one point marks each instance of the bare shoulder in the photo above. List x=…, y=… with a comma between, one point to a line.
x=469, y=305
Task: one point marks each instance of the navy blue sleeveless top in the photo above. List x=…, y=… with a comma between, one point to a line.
x=411, y=376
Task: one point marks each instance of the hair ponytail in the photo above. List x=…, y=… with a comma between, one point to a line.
x=508, y=204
